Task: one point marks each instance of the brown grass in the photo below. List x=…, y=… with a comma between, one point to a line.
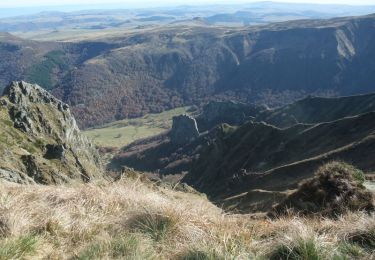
x=336, y=188
x=132, y=219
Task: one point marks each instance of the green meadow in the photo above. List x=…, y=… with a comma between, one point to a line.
x=123, y=132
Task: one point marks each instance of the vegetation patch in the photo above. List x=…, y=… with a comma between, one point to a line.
x=85, y=221
x=199, y=254
x=351, y=250
x=4, y=227
x=18, y=248
x=158, y=226
x=364, y=238
x=303, y=249
x=41, y=73
x=127, y=247
x=124, y=132
x=335, y=189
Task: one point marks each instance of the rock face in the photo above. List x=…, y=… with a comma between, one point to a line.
x=42, y=142
x=229, y=112
x=55, y=151
x=184, y=129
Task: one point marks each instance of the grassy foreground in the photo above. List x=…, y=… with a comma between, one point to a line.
x=132, y=219
x=123, y=132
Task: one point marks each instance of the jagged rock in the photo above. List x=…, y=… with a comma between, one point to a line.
x=184, y=129
x=14, y=176
x=33, y=170
x=27, y=99
x=55, y=151
x=229, y=112
x=21, y=120
x=41, y=138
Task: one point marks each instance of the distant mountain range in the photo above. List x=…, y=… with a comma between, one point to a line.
x=111, y=15
x=115, y=77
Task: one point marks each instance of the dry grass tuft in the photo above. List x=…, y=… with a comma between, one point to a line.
x=157, y=225
x=201, y=254
x=360, y=231
x=132, y=219
x=302, y=242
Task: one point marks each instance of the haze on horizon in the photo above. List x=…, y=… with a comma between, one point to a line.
x=154, y=3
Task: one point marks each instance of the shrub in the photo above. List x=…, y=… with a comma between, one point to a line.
x=358, y=175
x=335, y=189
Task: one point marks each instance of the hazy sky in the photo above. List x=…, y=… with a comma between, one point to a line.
x=147, y=3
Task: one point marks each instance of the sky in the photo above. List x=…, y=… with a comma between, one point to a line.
x=149, y=3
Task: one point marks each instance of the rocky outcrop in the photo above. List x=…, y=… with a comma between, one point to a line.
x=229, y=112
x=41, y=139
x=55, y=151
x=184, y=129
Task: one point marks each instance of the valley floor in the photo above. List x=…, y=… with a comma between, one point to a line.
x=135, y=219
x=121, y=133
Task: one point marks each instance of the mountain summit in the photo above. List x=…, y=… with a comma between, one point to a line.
x=40, y=140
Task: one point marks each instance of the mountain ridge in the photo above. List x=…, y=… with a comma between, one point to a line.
x=167, y=67
x=256, y=157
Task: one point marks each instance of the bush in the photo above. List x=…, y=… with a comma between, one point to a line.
x=335, y=189
x=358, y=175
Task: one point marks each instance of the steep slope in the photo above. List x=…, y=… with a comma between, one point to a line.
x=261, y=156
x=255, y=164
x=154, y=69
x=171, y=152
x=314, y=110
x=229, y=112
x=40, y=141
x=273, y=64
x=17, y=55
x=134, y=219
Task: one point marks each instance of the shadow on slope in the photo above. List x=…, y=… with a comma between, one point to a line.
x=253, y=165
